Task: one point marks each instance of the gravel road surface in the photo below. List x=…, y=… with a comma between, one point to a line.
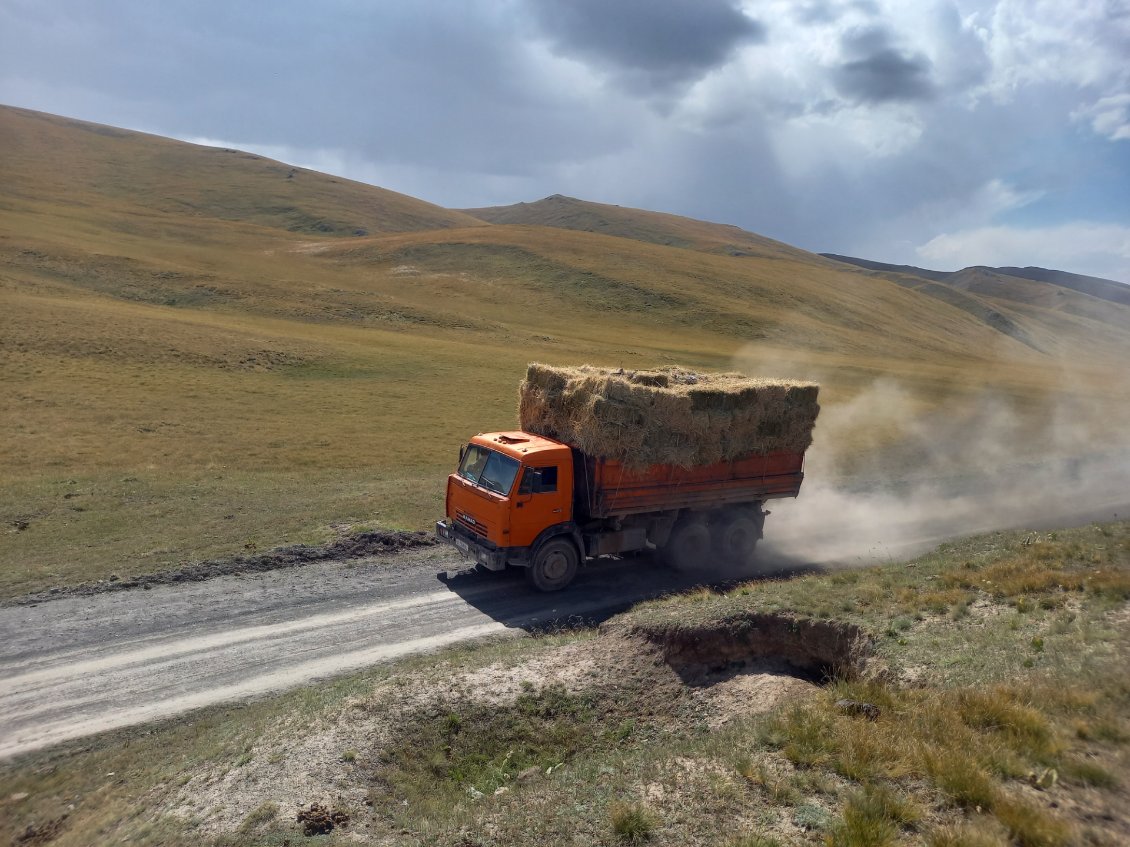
x=76, y=666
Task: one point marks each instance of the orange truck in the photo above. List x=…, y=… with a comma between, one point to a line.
x=528, y=501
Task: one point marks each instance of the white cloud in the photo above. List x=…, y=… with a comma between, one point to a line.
x=1109, y=117
x=1082, y=247
x=1075, y=42
x=997, y=196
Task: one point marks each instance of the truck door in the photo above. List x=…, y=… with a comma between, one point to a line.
x=544, y=498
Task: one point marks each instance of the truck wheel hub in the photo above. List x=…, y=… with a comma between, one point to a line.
x=556, y=565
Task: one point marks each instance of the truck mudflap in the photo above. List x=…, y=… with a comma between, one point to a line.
x=471, y=547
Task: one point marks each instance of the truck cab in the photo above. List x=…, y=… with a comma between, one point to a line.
x=509, y=500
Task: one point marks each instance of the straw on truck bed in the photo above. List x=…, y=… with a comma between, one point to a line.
x=609, y=461
x=673, y=416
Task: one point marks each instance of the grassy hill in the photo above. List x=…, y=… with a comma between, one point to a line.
x=201, y=356
x=123, y=174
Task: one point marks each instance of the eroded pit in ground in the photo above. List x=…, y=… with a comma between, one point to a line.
x=759, y=642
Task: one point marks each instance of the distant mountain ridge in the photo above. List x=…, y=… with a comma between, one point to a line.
x=976, y=275
x=663, y=228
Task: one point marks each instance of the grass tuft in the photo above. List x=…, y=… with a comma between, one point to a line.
x=631, y=821
x=873, y=817
x=778, y=786
x=1030, y=825
x=755, y=840
x=1087, y=772
x=998, y=711
x=259, y=817
x=960, y=778
x=980, y=831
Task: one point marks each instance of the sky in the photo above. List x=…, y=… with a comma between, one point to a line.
x=941, y=134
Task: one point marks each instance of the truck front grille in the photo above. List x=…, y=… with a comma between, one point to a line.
x=476, y=528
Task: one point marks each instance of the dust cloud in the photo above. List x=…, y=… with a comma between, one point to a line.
x=891, y=474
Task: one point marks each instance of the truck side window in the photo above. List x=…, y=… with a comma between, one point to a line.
x=549, y=478
x=538, y=480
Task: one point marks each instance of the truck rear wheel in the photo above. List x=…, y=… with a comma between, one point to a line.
x=554, y=566
x=736, y=538
x=688, y=547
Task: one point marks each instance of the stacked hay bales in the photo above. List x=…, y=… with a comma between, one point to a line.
x=672, y=416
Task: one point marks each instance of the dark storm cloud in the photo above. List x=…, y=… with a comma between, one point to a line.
x=445, y=85
x=656, y=44
x=878, y=72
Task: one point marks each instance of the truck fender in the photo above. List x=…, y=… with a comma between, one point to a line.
x=660, y=526
x=557, y=530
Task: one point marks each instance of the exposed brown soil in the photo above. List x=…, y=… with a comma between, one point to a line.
x=818, y=648
x=43, y=833
x=362, y=544
x=319, y=820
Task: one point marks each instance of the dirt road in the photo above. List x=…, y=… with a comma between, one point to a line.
x=79, y=665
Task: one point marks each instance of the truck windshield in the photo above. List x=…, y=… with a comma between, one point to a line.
x=489, y=469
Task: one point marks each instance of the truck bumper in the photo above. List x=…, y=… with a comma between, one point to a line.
x=470, y=547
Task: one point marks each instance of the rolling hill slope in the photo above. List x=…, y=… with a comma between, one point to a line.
x=1009, y=302
x=119, y=171
x=1104, y=289
x=640, y=225
x=201, y=354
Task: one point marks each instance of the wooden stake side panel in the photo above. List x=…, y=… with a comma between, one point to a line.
x=613, y=489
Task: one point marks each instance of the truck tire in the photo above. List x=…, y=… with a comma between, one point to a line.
x=736, y=538
x=554, y=565
x=688, y=548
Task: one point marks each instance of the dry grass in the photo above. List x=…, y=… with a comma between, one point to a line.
x=962, y=742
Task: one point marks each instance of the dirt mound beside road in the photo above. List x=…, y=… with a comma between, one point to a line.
x=477, y=733
x=373, y=543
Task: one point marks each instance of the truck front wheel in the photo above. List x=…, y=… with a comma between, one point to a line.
x=554, y=566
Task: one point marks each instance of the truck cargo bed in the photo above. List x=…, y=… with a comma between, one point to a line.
x=606, y=488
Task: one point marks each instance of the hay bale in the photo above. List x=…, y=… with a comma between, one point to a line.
x=670, y=416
